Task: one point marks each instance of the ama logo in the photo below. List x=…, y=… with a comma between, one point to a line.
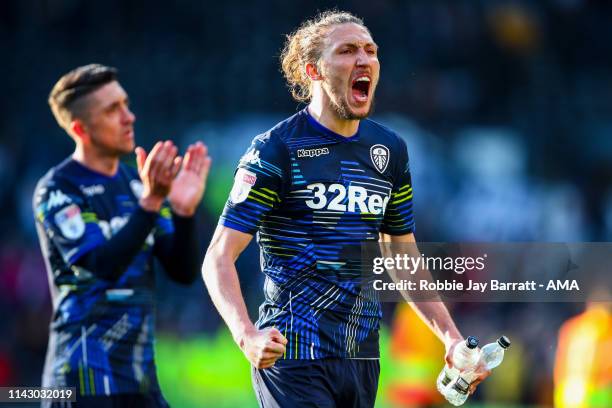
x=380, y=157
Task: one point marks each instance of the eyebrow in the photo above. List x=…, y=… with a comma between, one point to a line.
x=355, y=44
x=112, y=105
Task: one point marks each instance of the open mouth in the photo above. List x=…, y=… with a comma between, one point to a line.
x=361, y=88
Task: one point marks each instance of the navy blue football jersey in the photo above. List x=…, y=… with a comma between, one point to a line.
x=101, y=333
x=313, y=197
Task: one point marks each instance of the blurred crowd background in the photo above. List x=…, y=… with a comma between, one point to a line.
x=506, y=107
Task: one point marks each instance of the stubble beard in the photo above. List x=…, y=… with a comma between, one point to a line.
x=341, y=107
x=110, y=151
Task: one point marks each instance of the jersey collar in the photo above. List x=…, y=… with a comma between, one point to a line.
x=92, y=173
x=328, y=132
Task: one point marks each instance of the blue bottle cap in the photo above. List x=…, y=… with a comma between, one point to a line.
x=472, y=342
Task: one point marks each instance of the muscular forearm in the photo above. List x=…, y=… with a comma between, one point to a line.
x=261, y=347
x=432, y=311
x=439, y=320
x=221, y=279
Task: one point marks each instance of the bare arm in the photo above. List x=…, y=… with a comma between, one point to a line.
x=261, y=347
x=434, y=313
x=221, y=279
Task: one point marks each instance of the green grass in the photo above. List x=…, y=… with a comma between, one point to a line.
x=204, y=371
x=210, y=371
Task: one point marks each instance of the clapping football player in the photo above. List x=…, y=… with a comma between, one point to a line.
x=100, y=224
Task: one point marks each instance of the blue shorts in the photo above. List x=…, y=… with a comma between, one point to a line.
x=317, y=383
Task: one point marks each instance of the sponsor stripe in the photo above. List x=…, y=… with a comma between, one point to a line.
x=263, y=195
x=92, y=386
x=81, y=381
x=251, y=197
x=402, y=200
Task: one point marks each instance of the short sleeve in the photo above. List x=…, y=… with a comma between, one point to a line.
x=259, y=184
x=399, y=216
x=66, y=218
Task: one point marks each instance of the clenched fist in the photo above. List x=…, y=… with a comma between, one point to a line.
x=263, y=347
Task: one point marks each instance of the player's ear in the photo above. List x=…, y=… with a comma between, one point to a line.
x=313, y=72
x=77, y=129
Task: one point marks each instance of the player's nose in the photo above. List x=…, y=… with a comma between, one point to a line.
x=128, y=116
x=362, y=58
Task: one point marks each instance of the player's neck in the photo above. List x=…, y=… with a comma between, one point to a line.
x=329, y=119
x=107, y=165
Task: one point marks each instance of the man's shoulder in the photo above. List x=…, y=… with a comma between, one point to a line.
x=275, y=140
x=55, y=190
x=56, y=176
x=379, y=134
x=380, y=131
x=283, y=130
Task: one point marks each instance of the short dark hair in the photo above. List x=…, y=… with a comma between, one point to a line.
x=72, y=87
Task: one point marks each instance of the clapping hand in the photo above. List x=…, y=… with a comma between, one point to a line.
x=157, y=170
x=188, y=186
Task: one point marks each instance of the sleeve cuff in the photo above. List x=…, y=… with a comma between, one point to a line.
x=238, y=227
x=403, y=231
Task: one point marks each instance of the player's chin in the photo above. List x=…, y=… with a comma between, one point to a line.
x=127, y=141
x=361, y=111
x=359, y=108
x=127, y=147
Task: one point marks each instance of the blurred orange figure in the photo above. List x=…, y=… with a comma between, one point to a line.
x=416, y=358
x=583, y=365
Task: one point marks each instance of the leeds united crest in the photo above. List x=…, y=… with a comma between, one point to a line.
x=380, y=157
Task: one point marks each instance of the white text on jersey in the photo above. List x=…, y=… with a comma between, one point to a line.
x=357, y=196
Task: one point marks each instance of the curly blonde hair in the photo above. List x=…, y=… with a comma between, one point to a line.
x=305, y=46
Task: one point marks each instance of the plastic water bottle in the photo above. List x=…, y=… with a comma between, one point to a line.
x=464, y=356
x=491, y=356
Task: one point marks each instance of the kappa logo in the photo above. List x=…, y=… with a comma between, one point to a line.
x=251, y=157
x=312, y=152
x=57, y=199
x=380, y=157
